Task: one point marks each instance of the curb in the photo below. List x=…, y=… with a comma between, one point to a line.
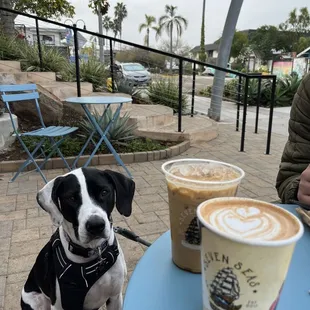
x=102, y=159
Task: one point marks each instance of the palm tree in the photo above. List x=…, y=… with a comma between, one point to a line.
x=107, y=23
x=202, y=52
x=7, y=18
x=171, y=21
x=223, y=58
x=120, y=13
x=115, y=28
x=149, y=21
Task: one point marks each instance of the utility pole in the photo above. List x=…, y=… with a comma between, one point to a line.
x=223, y=59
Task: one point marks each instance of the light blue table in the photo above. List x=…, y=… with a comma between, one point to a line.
x=157, y=284
x=107, y=101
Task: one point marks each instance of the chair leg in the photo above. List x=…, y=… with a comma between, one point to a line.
x=83, y=149
x=30, y=160
x=115, y=154
x=104, y=138
x=90, y=138
x=56, y=146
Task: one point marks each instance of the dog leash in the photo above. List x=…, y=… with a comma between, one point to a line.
x=130, y=235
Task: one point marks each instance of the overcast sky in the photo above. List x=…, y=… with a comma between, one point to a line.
x=253, y=14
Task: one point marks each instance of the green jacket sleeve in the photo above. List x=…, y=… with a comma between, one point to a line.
x=296, y=155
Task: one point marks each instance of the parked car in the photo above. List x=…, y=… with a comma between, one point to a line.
x=134, y=74
x=211, y=71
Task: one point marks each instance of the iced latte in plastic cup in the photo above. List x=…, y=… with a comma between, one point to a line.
x=190, y=182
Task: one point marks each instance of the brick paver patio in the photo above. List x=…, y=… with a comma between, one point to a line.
x=24, y=228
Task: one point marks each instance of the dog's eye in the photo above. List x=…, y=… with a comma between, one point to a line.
x=71, y=198
x=103, y=193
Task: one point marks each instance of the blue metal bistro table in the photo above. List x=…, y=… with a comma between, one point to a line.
x=157, y=284
x=107, y=101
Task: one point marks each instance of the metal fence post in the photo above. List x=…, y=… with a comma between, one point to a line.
x=180, y=95
x=273, y=97
x=193, y=90
x=238, y=101
x=245, y=106
x=39, y=44
x=258, y=103
x=112, y=65
x=77, y=60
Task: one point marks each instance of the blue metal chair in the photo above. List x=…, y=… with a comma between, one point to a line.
x=29, y=92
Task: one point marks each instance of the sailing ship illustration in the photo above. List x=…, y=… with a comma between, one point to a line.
x=192, y=235
x=225, y=290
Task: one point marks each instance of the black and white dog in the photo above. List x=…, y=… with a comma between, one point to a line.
x=82, y=267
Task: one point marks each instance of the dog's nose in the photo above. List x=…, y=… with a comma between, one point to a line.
x=95, y=225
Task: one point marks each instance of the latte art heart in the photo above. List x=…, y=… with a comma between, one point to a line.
x=246, y=222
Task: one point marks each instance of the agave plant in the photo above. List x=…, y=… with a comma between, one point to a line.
x=166, y=92
x=285, y=90
x=92, y=71
x=120, y=131
x=52, y=59
x=10, y=48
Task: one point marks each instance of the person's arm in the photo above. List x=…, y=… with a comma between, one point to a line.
x=296, y=154
x=287, y=190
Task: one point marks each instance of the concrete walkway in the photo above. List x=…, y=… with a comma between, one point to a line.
x=229, y=112
x=24, y=228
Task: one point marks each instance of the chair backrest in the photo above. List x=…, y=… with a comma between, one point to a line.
x=18, y=93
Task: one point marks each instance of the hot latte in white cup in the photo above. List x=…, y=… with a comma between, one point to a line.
x=246, y=249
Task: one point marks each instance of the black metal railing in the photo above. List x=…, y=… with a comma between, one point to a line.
x=242, y=85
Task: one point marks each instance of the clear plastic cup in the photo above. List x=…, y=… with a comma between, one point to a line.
x=190, y=182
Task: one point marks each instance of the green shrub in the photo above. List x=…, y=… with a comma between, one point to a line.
x=230, y=90
x=70, y=146
x=52, y=59
x=206, y=92
x=10, y=48
x=285, y=91
x=92, y=71
x=144, y=145
x=121, y=130
x=166, y=92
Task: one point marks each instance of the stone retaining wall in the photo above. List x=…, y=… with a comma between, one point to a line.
x=102, y=159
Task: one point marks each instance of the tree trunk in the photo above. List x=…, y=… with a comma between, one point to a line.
x=171, y=45
x=101, y=43
x=223, y=58
x=120, y=36
x=7, y=19
x=202, y=52
x=148, y=37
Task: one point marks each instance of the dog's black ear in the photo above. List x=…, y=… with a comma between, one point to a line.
x=48, y=200
x=125, y=190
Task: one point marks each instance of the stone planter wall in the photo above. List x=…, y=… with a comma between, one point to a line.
x=104, y=159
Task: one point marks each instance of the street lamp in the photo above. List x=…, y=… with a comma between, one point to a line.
x=76, y=52
x=74, y=24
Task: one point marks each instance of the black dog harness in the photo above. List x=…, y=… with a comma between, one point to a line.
x=75, y=280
